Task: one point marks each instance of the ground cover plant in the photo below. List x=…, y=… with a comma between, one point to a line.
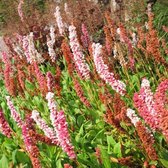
x=84, y=90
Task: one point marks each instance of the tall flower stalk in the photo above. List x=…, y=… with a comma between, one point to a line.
x=50, y=81
x=20, y=11
x=78, y=56
x=161, y=101
x=8, y=74
x=50, y=44
x=40, y=79
x=85, y=36
x=60, y=125
x=132, y=116
x=103, y=70
x=48, y=131
x=4, y=126
x=30, y=142
x=144, y=102
x=144, y=134
x=35, y=56
x=60, y=24
x=61, y=128
x=14, y=114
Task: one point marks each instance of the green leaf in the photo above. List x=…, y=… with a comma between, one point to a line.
x=117, y=149
x=59, y=163
x=9, y=145
x=29, y=86
x=22, y=157
x=83, y=158
x=164, y=157
x=99, y=135
x=111, y=143
x=105, y=157
x=4, y=162
x=80, y=120
x=164, y=162
x=81, y=131
x=14, y=156
x=3, y=105
x=80, y=134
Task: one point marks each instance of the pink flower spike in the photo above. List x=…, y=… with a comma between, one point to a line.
x=20, y=12
x=48, y=131
x=103, y=70
x=67, y=165
x=5, y=58
x=78, y=56
x=132, y=116
x=35, y=56
x=4, y=126
x=61, y=128
x=25, y=45
x=51, y=51
x=15, y=115
x=161, y=101
x=50, y=44
x=51, y=102
x=85, y=37
x=50, y=81
x=144, y=102
x=160, y=95
x=60, y=24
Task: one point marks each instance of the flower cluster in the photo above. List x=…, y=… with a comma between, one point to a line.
x=61, y=128
x=60, y=24
x=50, y=81
x=109, y=40
x=8, y=74
x=35, y=56
x=30, y=142
x=15, y=115
x=153, y=43
x=147, y=140
x=144, y=134
x=111, y=119
x=144, y=102
x=80, y=93
x=67, y=11
x=20, y=12
x=161, y=101
x=126, y=161
x=21, y=76
x=132, y=116
x=25, y=45
x=67, y=165
x=124, y=38
x=4, y=126
x=58, y=81
x=103, y=70
x=68, y=56
x=85, y=36
x=48, y=131
x=60, y=125
x=50, y=44
x=51, y=103
x=78, y=56
x=40, y=79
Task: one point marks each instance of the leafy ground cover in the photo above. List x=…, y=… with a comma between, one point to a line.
x=84, y=91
